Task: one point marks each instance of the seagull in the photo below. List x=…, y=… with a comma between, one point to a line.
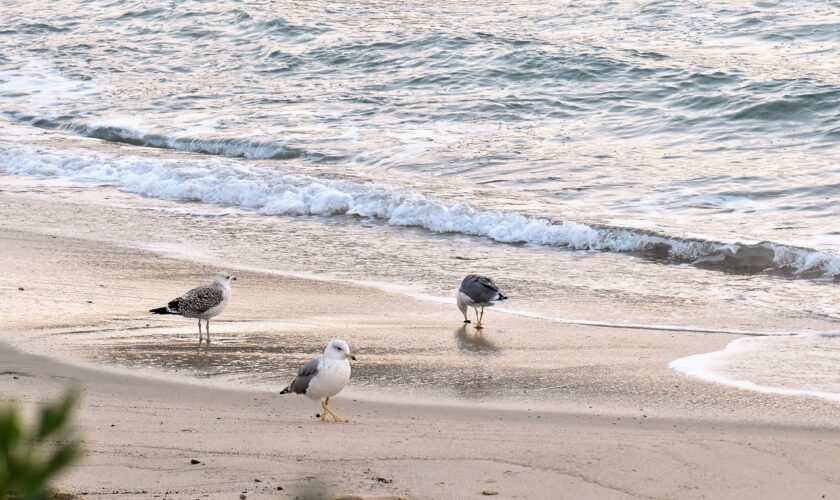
x=324, y=377
x=478, y=292
x=203, y=302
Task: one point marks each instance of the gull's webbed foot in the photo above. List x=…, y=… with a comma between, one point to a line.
x=337, y=419
x=327, y=409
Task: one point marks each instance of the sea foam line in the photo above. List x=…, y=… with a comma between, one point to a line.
x=184, y=253
x=271, y=192
x=704, y=366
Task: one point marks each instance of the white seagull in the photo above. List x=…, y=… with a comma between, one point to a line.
x=203, y=302
x=477, y=292
x=324, y=377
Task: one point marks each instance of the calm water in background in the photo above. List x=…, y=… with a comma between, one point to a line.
x=662, y=156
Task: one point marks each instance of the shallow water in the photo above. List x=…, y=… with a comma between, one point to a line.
x=670, y=156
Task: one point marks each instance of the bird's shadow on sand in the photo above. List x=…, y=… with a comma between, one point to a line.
x=472, y=341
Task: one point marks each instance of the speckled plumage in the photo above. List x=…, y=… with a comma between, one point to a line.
x=202, y=302
x=199, y=301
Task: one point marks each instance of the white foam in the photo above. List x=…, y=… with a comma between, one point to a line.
x=271, y=192
x=37, y=87
x=717, y=366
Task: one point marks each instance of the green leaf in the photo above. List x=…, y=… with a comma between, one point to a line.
x=10, y=430
x=30, y=458
x=53, y=417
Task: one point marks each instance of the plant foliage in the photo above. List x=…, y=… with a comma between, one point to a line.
x=31, y=456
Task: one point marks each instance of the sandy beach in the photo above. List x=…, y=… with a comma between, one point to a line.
x=656, y=433
x=647, y=194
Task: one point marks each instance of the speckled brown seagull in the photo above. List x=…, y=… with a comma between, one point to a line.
x=203, y=302
x=478, y=292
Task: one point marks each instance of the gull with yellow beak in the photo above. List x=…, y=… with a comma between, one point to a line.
x=324, y=377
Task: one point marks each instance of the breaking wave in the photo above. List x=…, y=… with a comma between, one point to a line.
x=270, y=192
x=234, y=147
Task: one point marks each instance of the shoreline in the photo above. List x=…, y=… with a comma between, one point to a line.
x=693, y=440
x=365, y=311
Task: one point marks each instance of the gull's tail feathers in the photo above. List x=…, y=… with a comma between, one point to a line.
x=171, y=308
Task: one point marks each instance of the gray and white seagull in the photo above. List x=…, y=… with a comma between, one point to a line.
x=324, y=377
x=203, y=302
x=478, y=292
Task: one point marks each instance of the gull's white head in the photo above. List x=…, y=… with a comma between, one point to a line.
x=338, y=349
x=225, y=278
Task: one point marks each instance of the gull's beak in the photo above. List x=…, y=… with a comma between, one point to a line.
x=351, y=356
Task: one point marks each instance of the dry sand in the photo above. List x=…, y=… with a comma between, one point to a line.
x=630, y=428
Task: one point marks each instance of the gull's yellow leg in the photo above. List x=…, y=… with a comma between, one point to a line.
x=334, y=416
x=207, y=328
x=480, y=317
x=324, y=410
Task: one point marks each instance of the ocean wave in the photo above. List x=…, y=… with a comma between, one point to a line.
x=270, y=192
x=234, y=147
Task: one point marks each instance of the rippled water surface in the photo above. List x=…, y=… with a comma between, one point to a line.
x=663, y=133
x=656, y=114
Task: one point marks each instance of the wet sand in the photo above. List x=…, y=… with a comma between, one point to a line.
x=627, y=428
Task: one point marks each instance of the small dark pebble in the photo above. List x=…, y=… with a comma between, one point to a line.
x=15, y=377
x=113, y=425
x=242, y=497
x=89, y=301
x=279, y=488
x=317, y=415
x=489, y=493
x=194, y=461
x=20, y=288
x=257, y=481
x=383, y=480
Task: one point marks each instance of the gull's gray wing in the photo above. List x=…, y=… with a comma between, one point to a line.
x=481, y=289
x=307, y=372
x=199, y=299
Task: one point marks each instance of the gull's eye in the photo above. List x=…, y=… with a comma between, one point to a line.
x=338, y=348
